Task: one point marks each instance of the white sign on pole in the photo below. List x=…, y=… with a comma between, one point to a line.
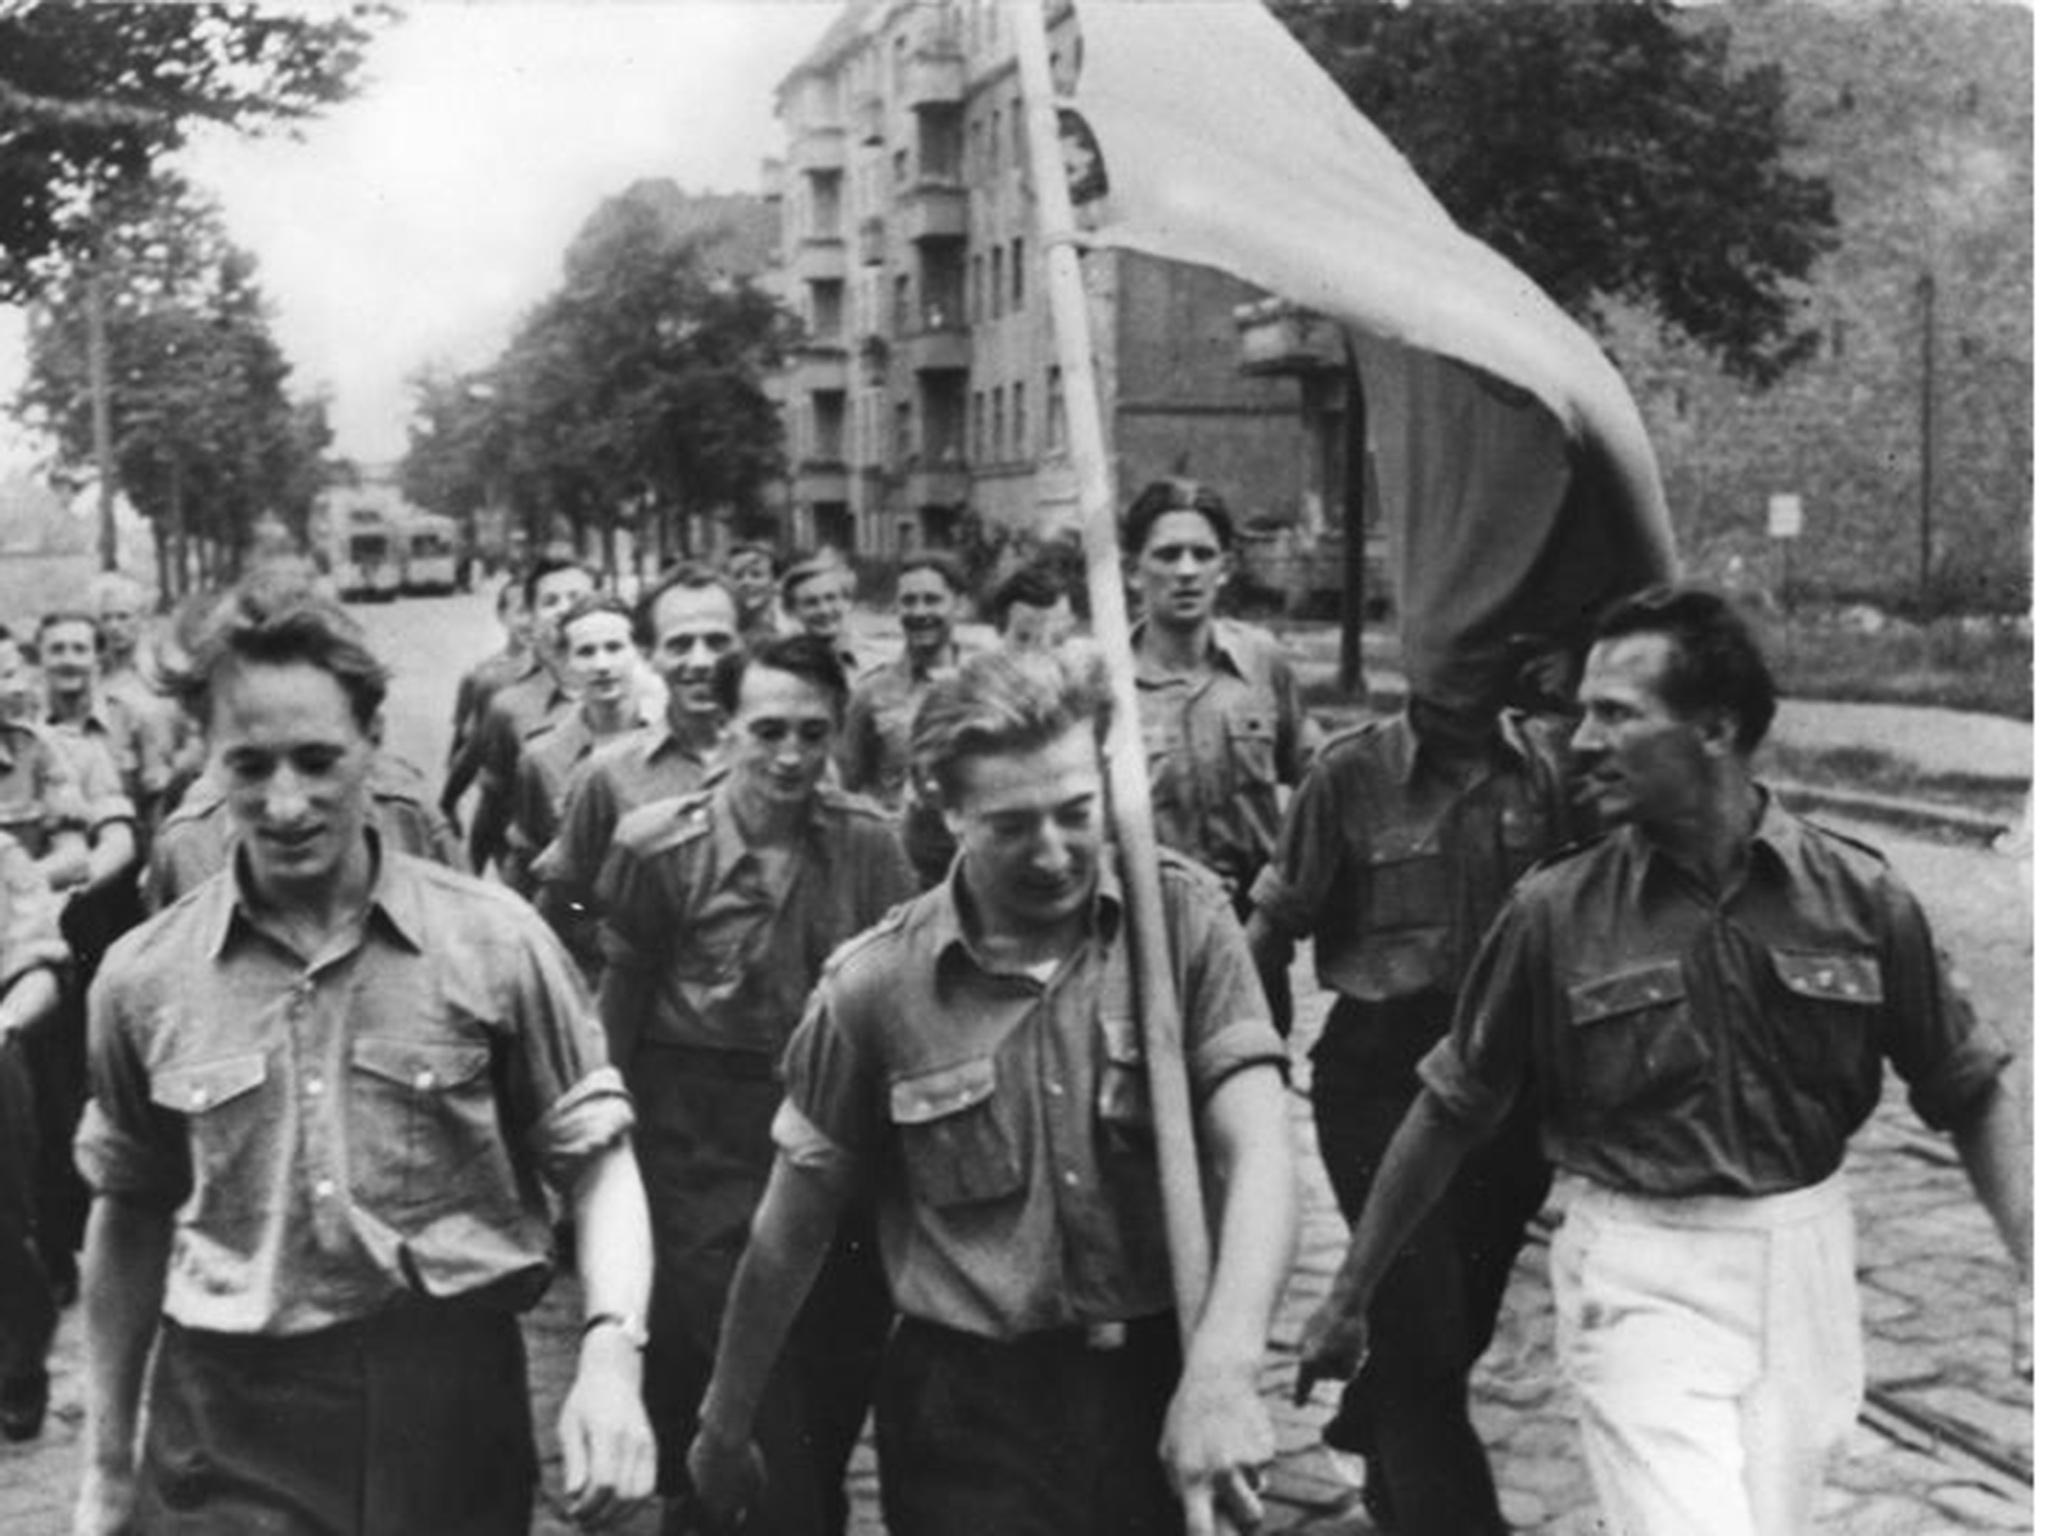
x=1785, y=516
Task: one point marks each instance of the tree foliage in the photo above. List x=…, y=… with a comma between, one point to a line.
x=206, y=439
x=92, y=97
x=1606, y=147
x=632, y=390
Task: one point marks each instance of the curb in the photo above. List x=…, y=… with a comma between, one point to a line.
x=1895, y=811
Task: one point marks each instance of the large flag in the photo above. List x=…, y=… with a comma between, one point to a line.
x=1517, y=479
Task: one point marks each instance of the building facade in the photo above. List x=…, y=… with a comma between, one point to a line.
x=926, y=387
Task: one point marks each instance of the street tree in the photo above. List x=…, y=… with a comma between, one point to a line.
x=93, y=97
x=206, y=438
x=1606, y=147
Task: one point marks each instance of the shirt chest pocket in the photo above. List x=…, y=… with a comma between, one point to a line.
x=957, y=1147
x=1123, y=1096
x=229, y=1130
x=1252, y=735
x=423, y=1129
x=1634, y=1044
x=1829, y=1008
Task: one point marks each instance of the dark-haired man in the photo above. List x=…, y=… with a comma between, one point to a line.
x=1032, y=609
x=720, y=908
x=974, y=1062
x=332, y=1092
x=874, y=751
x=1702, y=1003
x=750, y=577
x=480, y=684
x=1222, y=718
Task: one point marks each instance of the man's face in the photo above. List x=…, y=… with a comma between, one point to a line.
x=69, y=655
x=552, y=596
x=693, y=627
x=21, y=686
x=598, y=656
x=120, y=614
x=1030, y=832
x=926, y=607
x=1030, y=628
x=1637, y=760
x=518, y=621
x=782, y=736
x=1180, y=570
x=753, y=580
x=297, y=770
x=819, y=603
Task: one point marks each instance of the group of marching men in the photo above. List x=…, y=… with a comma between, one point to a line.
x=859, y=1120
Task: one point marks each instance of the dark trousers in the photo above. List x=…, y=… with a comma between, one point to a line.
x=1039, y=1436
x=28, y=1315
x=412, y=1421
x=1407, y=1411
x=704, y=1148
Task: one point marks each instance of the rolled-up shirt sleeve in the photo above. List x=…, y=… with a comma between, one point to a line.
x=126, y=1146
x=1295, y=884
x=568, y=1101
x=1477, y=1069
x=1227, y=1023
x=1947, y=1054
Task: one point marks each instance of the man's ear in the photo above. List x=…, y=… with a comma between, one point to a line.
x=1718, y=731
x=376, y=730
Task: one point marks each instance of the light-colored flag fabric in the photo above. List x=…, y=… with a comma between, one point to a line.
x=1514, y=470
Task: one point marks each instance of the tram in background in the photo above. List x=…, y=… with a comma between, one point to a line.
x=364, y=558
x=429, y=551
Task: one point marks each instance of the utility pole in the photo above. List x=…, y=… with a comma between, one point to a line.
x=1925, y=284
x=102, y=410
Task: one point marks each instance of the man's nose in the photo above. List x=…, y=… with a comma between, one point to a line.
x=284, y=797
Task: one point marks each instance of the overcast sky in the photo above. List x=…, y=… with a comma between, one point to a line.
x=417, y=221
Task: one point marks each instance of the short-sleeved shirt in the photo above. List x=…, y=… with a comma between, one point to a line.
x=547, y=764
x=874, y=749
x=99, y=781
x=195, y=841
x=650, y=764
x=479, y=685
x=40, y=795
x=1003, y=1119
x=30, y=938
x=337, y=1133
x=689, y=908
x=1219, y=743
x=518, y=712
x=140, y=755
x=1681, y=1044
x=1397, y=863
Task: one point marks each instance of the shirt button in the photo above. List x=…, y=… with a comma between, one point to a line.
x=1071, y=1179
x=199, y=1098
x=314, y=1087
x=423, y=1081
x=324, y=1189
x=1053, y=1087
x=1825, y=976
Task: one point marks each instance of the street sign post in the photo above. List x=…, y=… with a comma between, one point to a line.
x=1784, y=521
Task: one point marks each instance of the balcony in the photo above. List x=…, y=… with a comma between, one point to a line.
x=820, y=259
x=935, y=485
x=873, y=241
x=1276, y=338
x=821, y=147
x=935, y=80
x=941, y=347
x=822, y=480
x=818, y=366
x=874, y=361
x=935, y=209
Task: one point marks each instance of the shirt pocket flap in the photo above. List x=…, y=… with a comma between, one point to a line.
x=424, y=1065
x=1620, y=992
x=189, y=1087
x=934, y=1095
x=1253, y=727
x=1830, y=976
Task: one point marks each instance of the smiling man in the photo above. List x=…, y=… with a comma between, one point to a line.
x=874, y=755
x=720, y=910
x=975, y=1062
x=1701, y=1003
x=329, y=1089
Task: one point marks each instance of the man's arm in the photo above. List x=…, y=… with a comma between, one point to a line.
x=1992, y=1143
x=69, y=861
x=792, y=1231
x=1422, y=1157
x=112, y=855
x=607, y=1446
x=127, y=1253
x=1272, y=953
x=30, y=999
x=1218, y=1438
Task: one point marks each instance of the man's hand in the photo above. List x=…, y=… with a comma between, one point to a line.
x=106, y=1502
x=726, y=1476
x=1216, y=1446
x=607, y=1446
x=1332, y=1348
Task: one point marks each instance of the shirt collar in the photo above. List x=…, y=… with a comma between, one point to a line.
x=949, y=930
x=1504, y=742
x=1228, y=648
x=395, y=896
x=1777, y=833
x=730, y=843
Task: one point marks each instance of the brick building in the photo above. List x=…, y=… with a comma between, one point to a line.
x=926, y=384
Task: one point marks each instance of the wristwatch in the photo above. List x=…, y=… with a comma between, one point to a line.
x=626, y=1322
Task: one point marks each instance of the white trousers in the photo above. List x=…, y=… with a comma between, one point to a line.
x=1716, y=1352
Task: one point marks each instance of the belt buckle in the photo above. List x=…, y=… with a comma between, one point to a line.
x=1107, y=1336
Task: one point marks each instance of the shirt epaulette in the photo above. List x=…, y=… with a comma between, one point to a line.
x=842, y=802
x=661, y=825
x=1842, y=837
x=891, y=923
x=1558, y=856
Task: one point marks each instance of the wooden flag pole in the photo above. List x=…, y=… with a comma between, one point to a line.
x=1130, y=792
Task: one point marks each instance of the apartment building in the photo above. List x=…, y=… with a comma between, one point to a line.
x=926, y=384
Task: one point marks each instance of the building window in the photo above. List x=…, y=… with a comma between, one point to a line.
x=979, y=412
x=995, y=281
x=995, y=139
x=901, y=318
x=1017, y=274
x=1022, y=149
x=828, y=311
x=997, y=443
x=1021, y=439
x=1055, y=412
x=974, y=290
x=906, y=433
x=899, y=167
